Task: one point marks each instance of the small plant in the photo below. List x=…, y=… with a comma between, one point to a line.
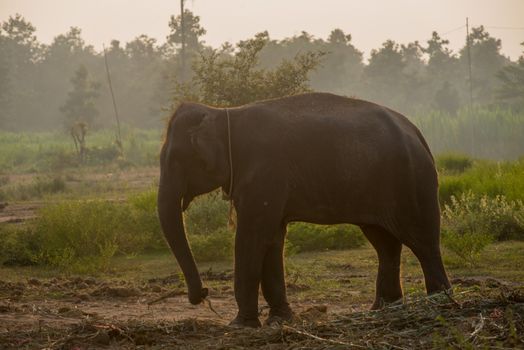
x=466, y=246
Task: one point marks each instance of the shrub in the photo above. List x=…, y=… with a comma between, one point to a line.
x=472, y=213
x=310, y=237
x=144, y=216
x=207, y=214
x=453, y=163
x=216, y=246
x=77, y=233
x=20, y=245
x=467, y=245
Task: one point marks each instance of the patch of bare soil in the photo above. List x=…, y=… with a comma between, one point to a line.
x=18, y=212
x=89, y=313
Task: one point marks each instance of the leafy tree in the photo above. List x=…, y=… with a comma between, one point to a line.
x=512, y=83
x=19, y=54
x=225, y=80
x=486, y=61
x=443, y=74
x=80, y=105
x=190, y=33
x=383, y=75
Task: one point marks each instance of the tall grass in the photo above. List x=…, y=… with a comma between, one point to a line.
x=480, y=133
x=483, y=177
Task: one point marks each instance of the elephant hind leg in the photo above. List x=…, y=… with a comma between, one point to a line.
x=389, y=248
x=430, y=259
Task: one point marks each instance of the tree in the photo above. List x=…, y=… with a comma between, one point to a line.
x=190, y=34
x=80, y=105
x=511, y=89
x=486, y=61
x=19, y=54
x=383, y=75
x=222, y=79
x=443, y=74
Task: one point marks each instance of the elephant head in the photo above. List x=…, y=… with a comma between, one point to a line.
x=193, y=161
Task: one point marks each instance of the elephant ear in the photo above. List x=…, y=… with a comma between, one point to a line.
x=204, y=140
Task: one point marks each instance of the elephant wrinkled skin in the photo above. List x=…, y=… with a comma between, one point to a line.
x=317, y=158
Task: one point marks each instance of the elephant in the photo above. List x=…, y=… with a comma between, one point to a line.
x=313, y=157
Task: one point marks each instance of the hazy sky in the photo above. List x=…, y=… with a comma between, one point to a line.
x=370, y=22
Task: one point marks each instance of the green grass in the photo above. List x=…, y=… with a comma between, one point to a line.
x=485, y=177
x=55, y=151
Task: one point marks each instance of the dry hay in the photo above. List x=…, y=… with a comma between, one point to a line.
x=475, y=317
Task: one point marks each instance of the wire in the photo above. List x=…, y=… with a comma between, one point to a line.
x=453, y=30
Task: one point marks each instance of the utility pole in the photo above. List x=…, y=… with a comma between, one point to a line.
x=468, y=46
x=183, y=51
x=469, y=65
x=119, y=135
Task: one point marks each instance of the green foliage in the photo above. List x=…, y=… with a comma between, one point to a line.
x=223, y=79
x=471, y=222
x=482, y=215
x=213, y=247
x=453, y=163
x=305, y=237
x=207, y=214
x=511, y=90
x=484, y=177
x=481, y=133
x=44, y=152
x=20, y=245
x=80, y=105
x=466, y=246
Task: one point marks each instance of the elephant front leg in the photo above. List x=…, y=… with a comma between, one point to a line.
x=273, y=282
x=249, y=254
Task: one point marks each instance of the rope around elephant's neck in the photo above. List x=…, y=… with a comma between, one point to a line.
x=229, y=193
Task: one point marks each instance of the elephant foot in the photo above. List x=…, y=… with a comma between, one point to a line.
x=381, y=303
x=278, y=316
x=242, y=322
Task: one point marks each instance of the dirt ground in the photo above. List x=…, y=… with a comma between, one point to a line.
x=90, y=313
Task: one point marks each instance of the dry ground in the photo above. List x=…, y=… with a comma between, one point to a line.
x=330, y=293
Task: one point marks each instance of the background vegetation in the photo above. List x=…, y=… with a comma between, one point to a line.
x=61, y=87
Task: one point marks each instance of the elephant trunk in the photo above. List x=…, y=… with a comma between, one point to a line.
x=170, y=214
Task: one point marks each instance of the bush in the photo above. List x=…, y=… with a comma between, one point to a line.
x=472, y=213
x=144, y=216
x=207, y=214
x=216, y=246
x=467, y=245
x=305, y=237
x=453, y=163
x=20, y=245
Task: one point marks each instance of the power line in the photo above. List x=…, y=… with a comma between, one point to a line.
x=453, y=30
